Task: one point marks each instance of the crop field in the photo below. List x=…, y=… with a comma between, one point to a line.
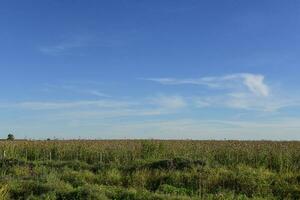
x=149, y=169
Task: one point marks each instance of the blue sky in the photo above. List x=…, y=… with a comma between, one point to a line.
x=150, y=69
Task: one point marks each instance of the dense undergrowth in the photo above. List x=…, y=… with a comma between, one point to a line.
x=149, y=170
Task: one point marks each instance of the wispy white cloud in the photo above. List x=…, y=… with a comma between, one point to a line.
x=65, y=46
x=100, y=114
x=68, y=45
x=253, y=82
x=100, y=109
x=42, y=105
x=246, y=101
x=169, y=102
x=183, y=128
x=161, y=101
x=186, y=128
x=96, y=93
x=147, y=115
x=87, y=89
x=240, y=91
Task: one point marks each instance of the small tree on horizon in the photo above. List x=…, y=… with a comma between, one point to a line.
x=10, y=137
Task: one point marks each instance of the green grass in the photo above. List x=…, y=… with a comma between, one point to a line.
x=149, y=169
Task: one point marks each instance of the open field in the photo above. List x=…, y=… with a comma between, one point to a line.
x=149, y=169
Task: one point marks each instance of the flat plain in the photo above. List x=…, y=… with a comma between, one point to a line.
x=149, y=169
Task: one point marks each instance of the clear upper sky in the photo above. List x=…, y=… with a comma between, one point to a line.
x=210, y=69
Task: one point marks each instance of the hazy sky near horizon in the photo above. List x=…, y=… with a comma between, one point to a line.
x=208, y=69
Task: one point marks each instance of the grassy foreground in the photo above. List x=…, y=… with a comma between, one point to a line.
x=149, y=169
